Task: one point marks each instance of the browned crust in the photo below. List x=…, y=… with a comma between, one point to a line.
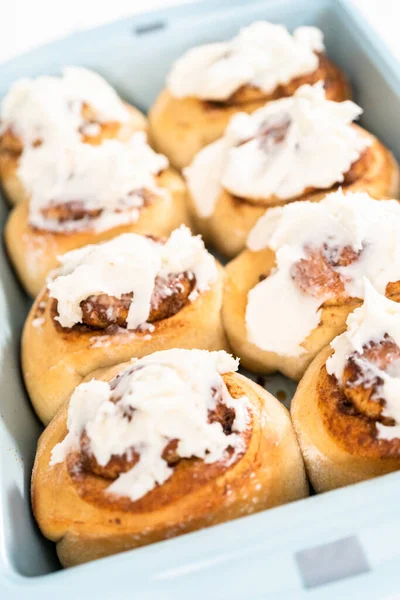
x=352, y=430
x=181, y=127
x=55, y=360
x=11, y=148
x=376, y=173
x=12, y=145
x=34, y=252
x=358, y=171
x=107, y=131
x=361, y=389
x=242, y=274
x=102, y=311
x=189, y=476
x=339, y=445
x=269, y=473
x=336, y=86
x=75, y=210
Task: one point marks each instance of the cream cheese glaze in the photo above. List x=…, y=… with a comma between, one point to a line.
x=280, y=314
x=110, y=178
x=51, y=107
x=125, y=264
x=280, y=150
x=169, y=395
x=377, y=319
x=263, y=55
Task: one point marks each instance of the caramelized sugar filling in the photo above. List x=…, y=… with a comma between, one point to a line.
x=10, y=143
x=362, y=387
x=170, y=295
x=92, y=132
x=249, y=93
x=103, y=312
x=120, y=464
x=316, y=276
x=91, y=479
x=75, y=210
x=357, y=171
x=103, y=130
x=350, y=412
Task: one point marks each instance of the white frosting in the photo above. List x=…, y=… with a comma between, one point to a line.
x=50, y=107
x=109, y=177
x=279, y=314
x=263, y=55
x=377, y=317
x=319, y=147
x=170, y=393
x=128, y=263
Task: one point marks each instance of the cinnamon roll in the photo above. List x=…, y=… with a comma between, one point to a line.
x=81, y=194
x=289, y=293
x=168, y=444
x=345, y=410
x=211, y=83
x=124, y=298
x=77, y=105
x=297, y=148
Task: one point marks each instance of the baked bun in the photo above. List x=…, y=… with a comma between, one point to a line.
x=345, y=410
x=211, y=83
x=289, y=293
x=80, y=105
x=113, y=301
x=81, y=194
x=158, y=447
x=298, y=148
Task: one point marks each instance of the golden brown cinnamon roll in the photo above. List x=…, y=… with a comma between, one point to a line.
x=158, y=447
x=289, y=293
x=211, y=83
x=53, y=110
x=346, y=408
x=81, y=194
x=126, y=297
x=298, y=148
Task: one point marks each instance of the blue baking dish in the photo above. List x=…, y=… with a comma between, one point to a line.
x=341, y=544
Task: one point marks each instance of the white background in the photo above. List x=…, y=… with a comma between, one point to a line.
x=28, y=23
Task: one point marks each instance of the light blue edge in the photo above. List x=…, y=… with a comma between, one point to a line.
x=165, y=568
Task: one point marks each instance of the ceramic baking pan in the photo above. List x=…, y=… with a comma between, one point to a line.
x=343, y=544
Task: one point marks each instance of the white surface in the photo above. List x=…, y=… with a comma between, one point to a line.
x=28, y=23
x=216, y=71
